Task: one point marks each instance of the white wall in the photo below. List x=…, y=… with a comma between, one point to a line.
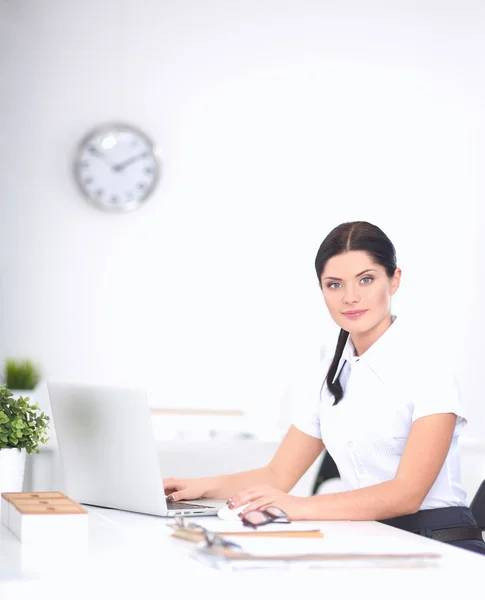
x=276, y=121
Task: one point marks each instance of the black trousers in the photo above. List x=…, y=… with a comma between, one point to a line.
x=425, y=521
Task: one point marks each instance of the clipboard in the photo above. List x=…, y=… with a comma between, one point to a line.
x=231, y=560
x=306, y=552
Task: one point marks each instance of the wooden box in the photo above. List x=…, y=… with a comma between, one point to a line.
x=47, y=517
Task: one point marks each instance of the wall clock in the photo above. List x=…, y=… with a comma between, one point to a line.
x=117, y=167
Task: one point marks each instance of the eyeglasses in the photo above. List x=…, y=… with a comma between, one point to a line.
x=183, y=523
x=270, y=514
x=212, y=540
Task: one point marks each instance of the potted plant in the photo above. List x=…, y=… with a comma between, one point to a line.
x=22, y=428
x=21, y=375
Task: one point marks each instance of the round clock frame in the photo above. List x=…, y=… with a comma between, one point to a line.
x=117, y=167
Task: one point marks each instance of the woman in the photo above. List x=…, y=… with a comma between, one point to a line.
x=388, y=411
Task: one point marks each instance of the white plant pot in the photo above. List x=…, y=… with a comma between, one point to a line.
x=12, y=469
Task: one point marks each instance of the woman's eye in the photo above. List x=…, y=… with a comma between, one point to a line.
x=335, y=285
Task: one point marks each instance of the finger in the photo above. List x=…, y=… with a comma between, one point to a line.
x=180, y=495
x=171, y=482
x=257, y=505
x=247, y=495
x=241, y=498
x=175, y=486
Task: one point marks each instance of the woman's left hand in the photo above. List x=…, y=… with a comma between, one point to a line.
x=264, y=495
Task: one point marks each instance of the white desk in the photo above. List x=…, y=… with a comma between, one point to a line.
x=130, y=553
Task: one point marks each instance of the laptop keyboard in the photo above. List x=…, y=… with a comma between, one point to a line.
x=182, y=505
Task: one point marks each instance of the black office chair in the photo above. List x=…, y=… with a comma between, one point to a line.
x=477, y=506
x=328, y=470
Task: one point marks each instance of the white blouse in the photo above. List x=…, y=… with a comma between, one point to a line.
x=396, y=381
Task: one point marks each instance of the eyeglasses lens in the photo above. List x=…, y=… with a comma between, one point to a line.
x=256, y=517
x=276, y=512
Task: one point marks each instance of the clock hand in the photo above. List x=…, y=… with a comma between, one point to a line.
x=129, y=161
x=95, y=152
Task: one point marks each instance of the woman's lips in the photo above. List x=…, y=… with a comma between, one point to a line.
x=355, y=314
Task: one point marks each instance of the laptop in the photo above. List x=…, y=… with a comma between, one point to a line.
x=108, y=451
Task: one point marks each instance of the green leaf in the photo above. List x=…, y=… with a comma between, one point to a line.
x=21, y=374
x=21, y=423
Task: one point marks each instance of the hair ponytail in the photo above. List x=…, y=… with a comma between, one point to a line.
x=335, y=387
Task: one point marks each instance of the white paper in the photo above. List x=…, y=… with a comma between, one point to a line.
x=366, y=546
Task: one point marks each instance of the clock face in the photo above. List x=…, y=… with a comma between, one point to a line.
x=117, y=167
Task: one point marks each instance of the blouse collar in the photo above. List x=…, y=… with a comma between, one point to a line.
x=379, y=356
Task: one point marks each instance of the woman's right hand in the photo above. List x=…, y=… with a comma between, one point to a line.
x=185, y=489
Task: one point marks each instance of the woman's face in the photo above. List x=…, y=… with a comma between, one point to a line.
x=357, y=291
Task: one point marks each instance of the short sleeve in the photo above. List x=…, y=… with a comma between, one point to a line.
x=309, y=423
x=307, y=410
x=438, y=392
